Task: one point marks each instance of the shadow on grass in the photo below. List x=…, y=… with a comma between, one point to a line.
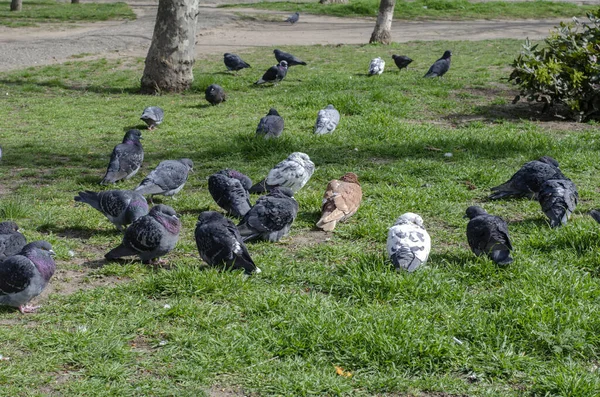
x=521, y=111
x=78, y=233
x=73, y=87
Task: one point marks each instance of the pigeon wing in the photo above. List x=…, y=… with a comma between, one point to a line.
x=16, y=274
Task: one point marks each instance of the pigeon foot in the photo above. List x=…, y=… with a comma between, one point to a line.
x=28, y=309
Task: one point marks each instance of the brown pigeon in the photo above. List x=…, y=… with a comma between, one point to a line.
x=341, y=200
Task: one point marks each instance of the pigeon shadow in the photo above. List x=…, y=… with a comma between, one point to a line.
x=521, y=111
x=200, y=106
x=95, y=264
x=74, y=87
x=539, y=222
x=77, y=233
x=142, y=127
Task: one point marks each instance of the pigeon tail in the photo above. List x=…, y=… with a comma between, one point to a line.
x=596, y=215
x=326, y=226
x=405, y=259
x=90, y=198
x=259, y=187
x=145, y=190
x=501, y=257
x=119, y=252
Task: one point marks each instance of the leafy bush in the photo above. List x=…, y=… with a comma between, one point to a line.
x=566, y=70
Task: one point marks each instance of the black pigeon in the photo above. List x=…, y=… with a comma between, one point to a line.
x=441, y=66
x=220, y=244
x=215, y=94
x=274, y=73
x=402, y=61
x=293, y=18
x=271, y=217
x=596, y=215
x=11, y=241
x=25, y=275
x=168, y=178
x=120, y=207
x=126, y=158
x=152, y=116
x=150, y=236
x=234, y=62
x=289, y=58
x=229, y=189
x=270, y=126
x=528, y=180
x=558, y=198
x=488, y=234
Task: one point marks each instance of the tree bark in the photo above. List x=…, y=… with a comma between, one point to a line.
x=383, y=28
x=171, y=55
x=16, y=5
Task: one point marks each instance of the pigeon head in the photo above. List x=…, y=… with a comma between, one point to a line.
x=549, y=160
x=209, y=217
x=8, y=227
x=188, y=163
x=167, y=217
x=447, y=54
x=164, y=210
x=410, y=217
x=350, y=177
x=227, y=54
x=474, y=211
x=132, y=136
x=330, y=106
x=283, y=64
x=299, y=157
x=276, y=51
x=40, y=245
x=282, y=191
x=273, y=112
x=244, y=180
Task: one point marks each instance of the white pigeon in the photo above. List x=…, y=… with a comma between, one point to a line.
x=408, y=243
x=327, y=120
x=376, y=67
x=292, y=172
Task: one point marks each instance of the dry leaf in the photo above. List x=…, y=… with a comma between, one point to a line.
x=433, y=148
x=340, y=371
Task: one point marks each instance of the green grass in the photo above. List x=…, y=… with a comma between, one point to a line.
x=433, y=9
x=41, y=11
x=531, y=329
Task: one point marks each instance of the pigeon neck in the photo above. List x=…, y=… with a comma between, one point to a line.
x=43, y=262
x=173, y=225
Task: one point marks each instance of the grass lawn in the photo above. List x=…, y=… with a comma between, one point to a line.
x=433, y=9
x=460, y=325
x=41, y=11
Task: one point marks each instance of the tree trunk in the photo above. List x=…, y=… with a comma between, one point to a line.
x=333, y=1
x=171, y=55
x=383, y=28
x=16, y=5
x=74, y=1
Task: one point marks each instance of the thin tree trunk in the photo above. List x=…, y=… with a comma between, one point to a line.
x=16, y=5
x=74, y=1
x=383, y=28
x=171, y=55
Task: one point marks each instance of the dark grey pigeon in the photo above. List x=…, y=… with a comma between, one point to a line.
x=558, y=198
x=229, y=189
x=121, y=207
x=126, y=158
x=234, y=62
x=11, y=241
x=270, y=126
x=488, y=234
x=293, y=18
x=596, y=215
x=220, y=244
x=215, y=94
x=274, y=74
x=271, y=217
x=528, y=180
x=168, y=178
x=152, y=116
x=402, y=61
x=25, y=275
x=289, y=58
x=441, y=66
x=150, y=236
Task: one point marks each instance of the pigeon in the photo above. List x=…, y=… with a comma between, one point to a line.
x=596, y=215
x=152, y=116
x=11, y=241
x=441, y=66
x=215, y=94
x=274, y=74
x=270, y=126
x=150, y=236
x=402, y=61
x=327, y=120
x=271, y=217
x=234, y=62
x=229, y=189
x=220, y=244
x=25, y=275
x=289, y=58
x=168, y=178
x=528, y=180
x=293, y=18
x=376, y=66
x=488, y=234
x=126, y=158
x=292, y=172
x=408, y=243
x=341, y=200
x=120, y=207
x=558, y=198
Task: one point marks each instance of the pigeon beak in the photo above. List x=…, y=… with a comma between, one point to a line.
x=465, y=216
x=52, y=252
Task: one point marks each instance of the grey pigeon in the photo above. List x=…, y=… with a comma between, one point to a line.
x=220, y=244
x=229, y=189
x=270, y=126
x=441, y=66
x=274, y=74
x=488, y=234
x=215, y=94
x=234, y=62
x=152, y=116
x=150, y=236
x=293, y=18
x=126, y=158
x=168, y=178
x=402, y=61
x=528, y=180
x=25, y=275
x=11, y=241
x=271, y=217
x=376, y=66
x=558, y=198
x=289, y=58
x=292, y=172
x=120, y=207
x=408, y=243
x=327, y=120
